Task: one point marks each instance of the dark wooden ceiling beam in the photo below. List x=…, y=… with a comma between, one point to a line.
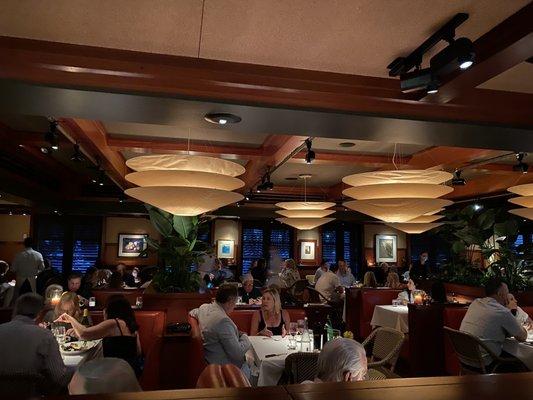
x=113, y=70
x=503, y=47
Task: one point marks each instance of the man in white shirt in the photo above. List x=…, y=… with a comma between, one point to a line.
x=27, y=265
x=491, y=320
x=322, y=269
x=346, y=277
x=329, y=286
x=223, y=344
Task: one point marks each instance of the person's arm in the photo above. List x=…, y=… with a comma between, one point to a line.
x=254, y=328
x=234, y=346
x=513, y=327
x=286, y=322
x=194, y=313
x=55, y=370
x=89, y=333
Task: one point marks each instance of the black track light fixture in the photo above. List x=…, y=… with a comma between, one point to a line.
x=100, y=178
x=222, y=118
x=457, y=180
x=77, y=156
x=521, y=166
x=432, y=88
x=310, y=155
x=52, y=136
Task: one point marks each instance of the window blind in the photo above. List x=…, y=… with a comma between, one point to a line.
x=252, y=247
x=85, y=246
x=51, y=236
x=329, y=245
x=281, y=239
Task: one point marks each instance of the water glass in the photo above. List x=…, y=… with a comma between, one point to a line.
x=139, y=302
x=293, y=329
x=239, y=300
x=396, y=302
x=301, y=326
x=336, y=334
x=59, y=332
x=92, y=301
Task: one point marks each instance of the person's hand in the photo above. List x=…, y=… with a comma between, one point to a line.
x=211, y=277
x=64, y=318
x=71, y=332
x=266, y=332
x=44, y=325
x=512, y=304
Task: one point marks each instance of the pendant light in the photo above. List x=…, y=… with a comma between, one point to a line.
x=305, y=215
x=525, y=200
x=416, y=228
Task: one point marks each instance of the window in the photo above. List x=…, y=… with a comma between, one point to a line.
x=85, y=246
x=252, y=246
x=347, y=246
x=329, y=246
x=50, y=243
x=281, y=239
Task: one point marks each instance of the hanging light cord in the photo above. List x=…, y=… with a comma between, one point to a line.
x=394, y=157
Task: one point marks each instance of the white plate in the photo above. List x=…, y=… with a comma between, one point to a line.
x=85, y=345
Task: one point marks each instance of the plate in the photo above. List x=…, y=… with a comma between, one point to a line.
x=78, y=347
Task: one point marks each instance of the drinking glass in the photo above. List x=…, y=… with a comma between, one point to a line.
x=293, y=329
x=92, y=301
x=336, y=334
x=59, y=333
x=139, y=302
x=301, y=326
x=396, y=302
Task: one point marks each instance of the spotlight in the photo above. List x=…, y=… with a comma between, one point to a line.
x=457, y=180
x=521, y=166
x=432, y=88
x=77, y=156
x=477, y=207
x=121, y=200
x=459, y=53
x=310, y=155
x=45, y=150
x=222, y=118
x=51, y=136
x=99, y=180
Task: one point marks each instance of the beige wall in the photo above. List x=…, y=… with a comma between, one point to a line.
x=14, y=227
x=311, y=234
x=226, y=229
x=371, y=230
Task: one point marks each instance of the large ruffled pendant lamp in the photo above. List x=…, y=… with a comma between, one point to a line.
x=184, y=185
x=398, y=196
x=304, y=215
x=525, y=200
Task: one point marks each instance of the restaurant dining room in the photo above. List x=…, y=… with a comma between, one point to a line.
x=266, y=200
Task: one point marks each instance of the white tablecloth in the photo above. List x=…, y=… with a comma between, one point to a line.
x=73, y=361
x=395, y=317
x=522, y=351
x=269, y=369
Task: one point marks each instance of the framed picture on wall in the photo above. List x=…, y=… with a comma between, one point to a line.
x=225, y=248
x=386, y=248
x=131, y=245
x=307, y=252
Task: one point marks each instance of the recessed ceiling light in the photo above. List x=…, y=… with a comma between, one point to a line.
x=45, y=150
x=222, y=118
x=346, y=144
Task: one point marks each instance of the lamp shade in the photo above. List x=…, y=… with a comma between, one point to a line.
x=186, y=201
x=414, y=229
x=426, y=219
x=396, y=210
x=398, y=176
x=305, y=213
x=434, y=211
x=184, y=178
x=185, y=163
x=522, y=190
x=304, y=223
x=524, y=201
x=305, y=205
x=523, y=212
x=397, y=190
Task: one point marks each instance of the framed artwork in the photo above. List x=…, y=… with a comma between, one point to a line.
x=131, y=245
x=307, y=252
x=225, y=249
x=386, y=246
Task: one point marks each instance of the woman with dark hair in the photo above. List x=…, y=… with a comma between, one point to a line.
x=118, y=331
x=259, y=270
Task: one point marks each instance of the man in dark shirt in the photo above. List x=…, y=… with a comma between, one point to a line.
x=420, y=268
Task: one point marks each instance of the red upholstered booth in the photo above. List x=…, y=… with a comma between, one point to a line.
x=101, y=295
x=360, y=308
x=222, y=376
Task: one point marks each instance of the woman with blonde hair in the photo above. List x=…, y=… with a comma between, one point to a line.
x=393, y=281
x=369, y=280
x=68, y=304
x=271, y=319
x=289, y=274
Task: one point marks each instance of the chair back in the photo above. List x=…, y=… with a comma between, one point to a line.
x=301, y=367
x=315, y=296
x=310, y=279
x=298, y=288
x=386, y=345
x=467, y=349
x=21, y=385
x=222, y=376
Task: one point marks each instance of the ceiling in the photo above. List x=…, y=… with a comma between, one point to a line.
x=352, y=36
x=517, y=79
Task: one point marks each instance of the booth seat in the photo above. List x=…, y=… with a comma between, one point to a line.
x=453, y=316
x=196, y=363
x=101, y=295
x=243, y=318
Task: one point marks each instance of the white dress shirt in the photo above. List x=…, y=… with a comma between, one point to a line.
x=28, y=263
x=491, y=322
x=347, y=279
x=222, y=343
x=327, y=284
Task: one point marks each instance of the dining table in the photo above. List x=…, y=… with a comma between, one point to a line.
x=79, y=358
x=267, y=358
x=521, y=350
x=391, y=316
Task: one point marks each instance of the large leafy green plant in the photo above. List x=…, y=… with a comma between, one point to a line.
x=178, y=250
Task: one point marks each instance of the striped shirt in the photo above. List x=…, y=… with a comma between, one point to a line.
x=27, y=348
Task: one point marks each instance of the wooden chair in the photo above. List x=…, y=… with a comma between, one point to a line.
x=384, y=345
x=468, y=349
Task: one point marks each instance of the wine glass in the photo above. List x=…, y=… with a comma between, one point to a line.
x=59, y=332
x=293, y=329
x=301, y=326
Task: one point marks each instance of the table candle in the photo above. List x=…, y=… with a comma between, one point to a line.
x=418, y=299
x=55, y=300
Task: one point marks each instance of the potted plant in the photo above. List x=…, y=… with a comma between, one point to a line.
x=175, y=286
